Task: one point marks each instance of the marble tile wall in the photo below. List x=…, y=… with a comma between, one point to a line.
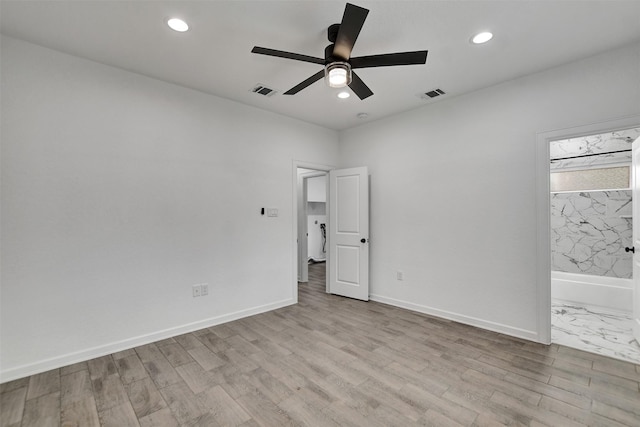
x=593, y=144
x=589, y=231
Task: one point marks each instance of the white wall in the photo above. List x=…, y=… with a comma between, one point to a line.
x=453, y=196
x=119, y=192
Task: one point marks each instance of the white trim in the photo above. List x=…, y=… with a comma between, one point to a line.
x=460, y=318
x=543, y=210
x=103, y=350
x=294, y=202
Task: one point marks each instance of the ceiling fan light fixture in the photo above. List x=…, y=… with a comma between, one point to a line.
x=344, y=95
x=177, y=24
x=482, y=37
x=337, y=74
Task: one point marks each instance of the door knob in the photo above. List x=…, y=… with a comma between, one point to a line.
x=631, y=249
x=363, y=240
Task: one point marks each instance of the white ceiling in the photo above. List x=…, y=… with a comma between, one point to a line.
x=214, y=56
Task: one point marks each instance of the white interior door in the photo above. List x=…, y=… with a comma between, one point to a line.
x=349, y=233
x=635, y=192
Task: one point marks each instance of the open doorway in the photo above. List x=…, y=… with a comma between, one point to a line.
x=590, y=243
x=312, y=220
x=301, y=172
x=345, y=245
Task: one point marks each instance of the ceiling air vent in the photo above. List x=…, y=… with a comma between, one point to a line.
x=432, y=94
x=261, y=89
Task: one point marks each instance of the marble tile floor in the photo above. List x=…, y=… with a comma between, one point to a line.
x=594, y=329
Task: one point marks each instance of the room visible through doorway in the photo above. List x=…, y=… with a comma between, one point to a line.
x=591, y=239
x=312, y=224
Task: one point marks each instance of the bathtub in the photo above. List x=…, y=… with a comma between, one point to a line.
x=609, y=292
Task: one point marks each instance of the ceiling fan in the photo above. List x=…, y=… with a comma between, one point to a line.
x=338, y=63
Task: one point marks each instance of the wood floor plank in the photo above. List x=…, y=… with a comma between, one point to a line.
x=264, y=411
x=488, y=412
x=119, y=416
x=583, y=416
x=12, y=406
x=214, y=343
x=183, y=403
x=196, y=377
x=617, y=414
x=70, y=369
x=124, y=353
x=44, y=383
x=239, y=360
x=75, y=387
x=79, y=413
x=226, y=411
x=131, y=369
x=270, y=386
x=102, y=367
x=206, y=358
x=163, y=418
x=436, y=419
x=188, y=341
x=14, y=385
x=148, y=353
x=144, y=397
x=175, y=354
x=532, y=411
x=510, y=389
x=161, y=371
x=232, y=380
x=43, y=411
x=549, y=391
x=304, y=413
x=109, y=392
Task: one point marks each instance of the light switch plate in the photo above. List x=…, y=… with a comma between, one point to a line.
x=272, y=212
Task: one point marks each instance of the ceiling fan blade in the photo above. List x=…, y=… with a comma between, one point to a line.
x=390, y=59
x=317, y=76
x=352, y=22
x=287, y=55
x=358, y=87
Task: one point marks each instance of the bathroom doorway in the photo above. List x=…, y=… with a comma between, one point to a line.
x=591, y=240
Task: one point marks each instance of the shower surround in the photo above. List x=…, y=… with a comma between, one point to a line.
x=589, y=231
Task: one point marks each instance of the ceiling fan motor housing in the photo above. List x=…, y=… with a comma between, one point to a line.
x=332, y=32
x=328, y=54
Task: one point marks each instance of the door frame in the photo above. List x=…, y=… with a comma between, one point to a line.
x=320, y=168
x=543, y=210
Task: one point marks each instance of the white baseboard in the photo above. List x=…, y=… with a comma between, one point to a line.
x=103, y=350
x=460, y=318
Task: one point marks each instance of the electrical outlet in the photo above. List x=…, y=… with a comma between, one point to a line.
x=204, y=289
x=272, y=212
x=399, y=275
x=196, y=289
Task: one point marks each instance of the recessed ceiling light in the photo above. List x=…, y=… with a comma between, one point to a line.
x=482, y=37
x=177, y=25
x=344, y=95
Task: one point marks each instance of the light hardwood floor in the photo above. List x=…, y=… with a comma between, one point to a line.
x=332, y=361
